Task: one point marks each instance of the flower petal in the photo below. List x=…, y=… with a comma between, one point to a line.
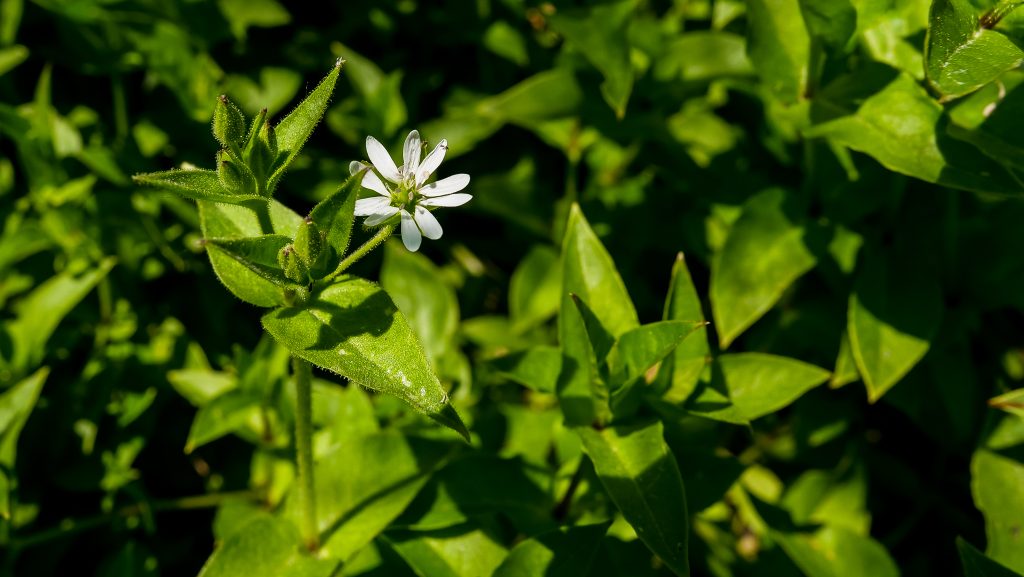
x=355, y=166
x=431, y=162
x=385, y=213
x=453, y=183
x=373, y=182
x=382, y=160
x=373, y=205
x=428, y=223
x=410, y=232
x=411, y=153
x=457, y=199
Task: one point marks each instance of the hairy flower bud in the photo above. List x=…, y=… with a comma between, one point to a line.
x=308, y=242
x=293, y=266
x=235, y=176
x=228, y=124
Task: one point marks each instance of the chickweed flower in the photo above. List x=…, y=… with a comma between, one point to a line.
x=405, y=192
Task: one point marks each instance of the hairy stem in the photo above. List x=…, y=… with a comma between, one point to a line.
x=374, y=242
x=303, y=373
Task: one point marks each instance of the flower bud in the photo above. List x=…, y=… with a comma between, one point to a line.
x=235, y=176
x=228, y=124
x=263, y=152
x=292, y=265
x=308, y=242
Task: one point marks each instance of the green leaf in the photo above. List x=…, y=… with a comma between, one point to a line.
x=600, y=35
x=294, y=129
x=460, y=551
x=750, y=385
x=779, y=46
x=550, y=94
x=266, y=547
x=536, y=368
x=194, y=183
x=200, y=386
x=846, y=366
x=242, y=14
x=335, y=217
x=534, y=289
x=256, y=253
x=39, y=313
x=681, y=370
x=638, y=350
x=1011, y=402
x=976, y=564
x=589, y=273
x=764, y=253
x=565, y=552
x=589, y=276
x=895, y=310
x=222, y=416
x=997, y=483
x=961, y=55
x=837, y=552
x=228, y=221
x=582, y=388
x=642, y=478
x=15, y=406
x=363, y=486
x=991, y=120
x=701, y=55
x=904, y=129
x=353, y=328
x=420, y=292
x=833, y=21
x=11, y=56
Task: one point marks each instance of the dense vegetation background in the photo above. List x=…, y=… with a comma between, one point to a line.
x=842, y=176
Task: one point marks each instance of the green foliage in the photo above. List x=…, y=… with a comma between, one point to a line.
x=829, y=384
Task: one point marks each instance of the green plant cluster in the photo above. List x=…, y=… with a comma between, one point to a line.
x=740, y=291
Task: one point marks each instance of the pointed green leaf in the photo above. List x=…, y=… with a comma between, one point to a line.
x=38, y=315
x=588, y=272
x=904, y=129
x=977, y=564
x=682, y=368
x=846, y=366
x=997, y=483
x=536, y=368
x=294, y=129
x=961, y=55
x=565, y=552
x=750, y=385
x=895, y=310
x=589, y=276
x=638, y=350
x=363, y=485
x=762, y=256
x=266, y=547
x=1011, y=402
x=582, y=389
x=353, y=328
x=642, y=478
x=600, y=35
x=228, y=221
x=779, y=46
x=222, y=416
x=837, y=552
x=15, y=406
x=334, y=216
x=197, y=184
x=460, y=551
x=258, y=254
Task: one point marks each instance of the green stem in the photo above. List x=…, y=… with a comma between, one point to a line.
x=998, y=12
x=303, y=373
x=374, y=242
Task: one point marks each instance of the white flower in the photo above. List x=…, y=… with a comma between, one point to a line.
x=407, y=194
